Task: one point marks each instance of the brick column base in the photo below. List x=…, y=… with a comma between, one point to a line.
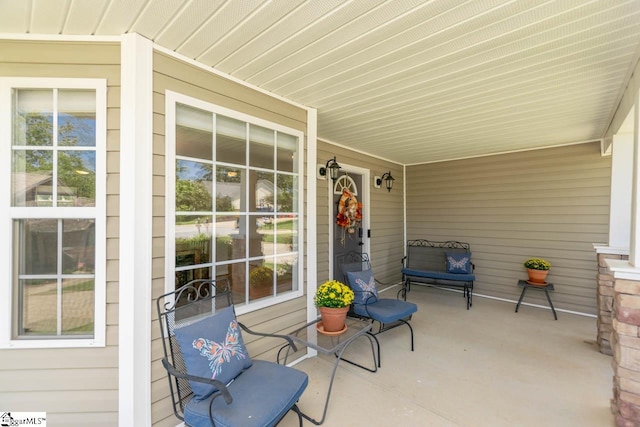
x=625, y=342
x=605, y=301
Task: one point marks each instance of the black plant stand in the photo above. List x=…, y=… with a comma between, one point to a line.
x=545, y=287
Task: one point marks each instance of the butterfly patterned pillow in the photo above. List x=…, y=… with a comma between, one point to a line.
x=213, y=348
x=458, y=263
x=363, y=286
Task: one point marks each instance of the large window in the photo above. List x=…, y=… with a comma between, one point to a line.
x=53, y=136
x=233, y=200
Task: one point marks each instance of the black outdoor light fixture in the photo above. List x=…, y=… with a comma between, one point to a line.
x=388, y=178
x=333, y=167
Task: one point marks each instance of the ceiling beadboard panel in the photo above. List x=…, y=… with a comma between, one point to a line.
x=49, y=16
x=412, y=81
x=84, y=16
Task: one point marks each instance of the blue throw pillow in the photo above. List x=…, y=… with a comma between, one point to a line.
x=213, y=348
x=363, y=286
x=458, y=263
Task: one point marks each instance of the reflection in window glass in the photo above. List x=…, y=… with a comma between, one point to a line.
x=287, y=153
x=286, y=273
x=231, y=137
x=229, y=233
x=76, y=118
x=263, y=190
x=33, y=117
x=185, y=276
x=193, y=186
x=34, y=183
x=287, y=193
x=38, y=314
x=78, y=246
x=230, y=189
x=193, y=240
x=76, y=178
x=51, y=300
x=236, y=273
x=32, y=177
x=261, y=147
x=286, y=234
x=248, y=192
x=77, y=306
x=261, y=238
x=194, y=132
x=37, y=246
x=57, y=138
x=261, y=279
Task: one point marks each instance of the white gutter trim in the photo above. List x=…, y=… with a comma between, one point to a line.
x=226, y=76
x=136, y=203
x=60, y=37
x=568, y=144
x=326, y=141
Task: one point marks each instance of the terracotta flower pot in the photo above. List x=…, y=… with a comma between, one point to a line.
x=537, y=276
x=333, y=318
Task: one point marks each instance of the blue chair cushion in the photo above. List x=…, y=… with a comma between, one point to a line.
x=213, y=348
x=363, y=286
x=458, y=263
x=438, y=275
x=386, y=310
x=262, y=395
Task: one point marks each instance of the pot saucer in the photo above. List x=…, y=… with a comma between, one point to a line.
x=320, y=328
x=537, y=283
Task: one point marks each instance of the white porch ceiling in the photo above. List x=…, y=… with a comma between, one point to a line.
x=411, y=81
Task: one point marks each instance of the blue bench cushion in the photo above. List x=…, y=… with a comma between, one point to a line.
x=386, y=310
x=276, y=387
x=439, y=275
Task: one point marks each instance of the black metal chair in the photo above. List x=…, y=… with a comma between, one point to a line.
x=389, y=313
x=212, y=379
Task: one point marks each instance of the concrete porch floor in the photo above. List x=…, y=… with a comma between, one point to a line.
x=487, y=366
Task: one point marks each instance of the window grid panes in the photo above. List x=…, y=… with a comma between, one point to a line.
x=53, y=167
x=242, y=225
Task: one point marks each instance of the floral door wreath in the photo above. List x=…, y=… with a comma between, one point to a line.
x=349, y=214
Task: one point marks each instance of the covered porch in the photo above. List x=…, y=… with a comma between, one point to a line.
x=488, y=366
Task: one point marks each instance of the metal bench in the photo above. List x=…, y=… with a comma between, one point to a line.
x=426, y=264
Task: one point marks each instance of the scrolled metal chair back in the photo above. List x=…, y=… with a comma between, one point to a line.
x=187, y=304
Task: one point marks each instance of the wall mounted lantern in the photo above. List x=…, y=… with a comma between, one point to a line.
x=388, y=178
x=333, y=167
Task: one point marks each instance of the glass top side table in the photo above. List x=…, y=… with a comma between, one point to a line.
x=330, y=343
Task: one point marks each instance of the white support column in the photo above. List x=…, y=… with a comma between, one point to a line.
x=312, y=217
x=312, y=212
x=621, y=195
x=136, y=174
x=634, y=252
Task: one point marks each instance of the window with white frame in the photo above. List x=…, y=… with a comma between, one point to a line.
x=53, y=144
x=233, y=201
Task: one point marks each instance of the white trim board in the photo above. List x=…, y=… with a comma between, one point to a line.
x=136, y=209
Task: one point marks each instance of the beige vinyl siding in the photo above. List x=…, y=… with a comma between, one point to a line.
x=386, y=211
x=75, y=386
x=551, y=203
x=184, y=78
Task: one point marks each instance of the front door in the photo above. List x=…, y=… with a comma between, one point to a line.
x=347, y=218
